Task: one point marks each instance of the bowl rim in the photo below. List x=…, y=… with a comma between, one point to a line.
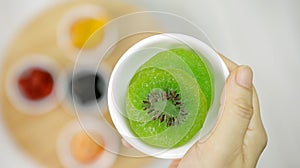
x=211, y=57
x=88, y=125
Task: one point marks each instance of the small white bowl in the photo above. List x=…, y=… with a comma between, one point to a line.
x=133, y=59
x=44, y=105
x=84, y=55
x=94, y=127
x=72, y=103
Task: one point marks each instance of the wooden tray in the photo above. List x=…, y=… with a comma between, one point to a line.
x=37, y=134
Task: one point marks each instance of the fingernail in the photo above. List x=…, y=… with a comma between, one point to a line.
x=244, y=76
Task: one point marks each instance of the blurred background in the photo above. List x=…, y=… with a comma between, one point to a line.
x=264, y=34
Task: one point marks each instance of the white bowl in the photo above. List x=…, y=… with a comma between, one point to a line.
x=91, y=126
x=41, y=106
x=138, y=55
x=72, y=104
x=84, y=55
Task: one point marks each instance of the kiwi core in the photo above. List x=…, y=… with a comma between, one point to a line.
x=165, y=106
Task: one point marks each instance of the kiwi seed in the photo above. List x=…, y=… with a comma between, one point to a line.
x=155, y=99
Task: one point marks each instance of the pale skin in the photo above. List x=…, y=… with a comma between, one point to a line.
x=239, y=137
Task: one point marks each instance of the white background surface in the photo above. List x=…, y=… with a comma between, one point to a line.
x=264, y=34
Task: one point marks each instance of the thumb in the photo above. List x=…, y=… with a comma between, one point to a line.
x=236, y=107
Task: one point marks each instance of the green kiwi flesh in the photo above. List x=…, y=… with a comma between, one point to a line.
x=165, y=103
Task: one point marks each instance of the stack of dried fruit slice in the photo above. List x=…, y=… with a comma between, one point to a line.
x=168, y=98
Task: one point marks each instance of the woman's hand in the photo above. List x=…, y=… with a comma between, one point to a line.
x=239, y=137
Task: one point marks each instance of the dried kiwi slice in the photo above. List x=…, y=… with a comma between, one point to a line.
x=165, y=108
x=166, y=60
x=199, y=69
x=188, y=61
